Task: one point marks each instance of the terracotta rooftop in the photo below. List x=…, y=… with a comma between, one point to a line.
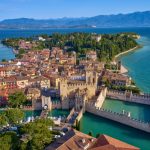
x=105, y=142
x=73, y=140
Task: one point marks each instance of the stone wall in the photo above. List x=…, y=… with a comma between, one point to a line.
x=123, y=119
x=101, y=98
x=80, y=115
x=37, y=105
x=91, y=88
x=56, y=105
x=71, y=113
x=67, y=88
x=65, y=103
x=46, y=101
x=124, y=96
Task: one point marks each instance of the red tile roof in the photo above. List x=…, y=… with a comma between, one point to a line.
x=105, y=142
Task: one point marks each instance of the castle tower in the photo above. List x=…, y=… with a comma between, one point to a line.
x=80, y=101
x=46, y=102
x=91, y=77
x=75, y=57
x=84, y=102
x=63, y=88
x=64, y=93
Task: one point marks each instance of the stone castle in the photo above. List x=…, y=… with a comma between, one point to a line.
x=76, y=93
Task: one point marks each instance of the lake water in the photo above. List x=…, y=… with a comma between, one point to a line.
x=6, y=53
x=138, y=65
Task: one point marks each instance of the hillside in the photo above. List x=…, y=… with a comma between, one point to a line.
x=137, y=19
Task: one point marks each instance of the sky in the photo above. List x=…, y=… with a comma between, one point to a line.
x=44, y=9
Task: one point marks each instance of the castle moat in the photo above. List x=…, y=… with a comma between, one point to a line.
x=101, y=125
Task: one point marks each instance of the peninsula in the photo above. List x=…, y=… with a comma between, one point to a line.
x=72, y=71
x=106, y=46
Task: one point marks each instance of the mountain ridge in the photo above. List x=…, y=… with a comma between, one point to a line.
x=136, y=19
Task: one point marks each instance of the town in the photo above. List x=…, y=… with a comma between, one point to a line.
x=59, y=79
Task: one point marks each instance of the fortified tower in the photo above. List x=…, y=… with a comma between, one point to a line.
x=91, y=76
x=64, y=93
x=63, y=88
x=68, y=88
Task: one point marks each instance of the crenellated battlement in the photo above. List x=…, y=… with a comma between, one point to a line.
x=118, y=117
x=80, y=85
x=64, y=80
x=128, y=96
x=145, y=96
x=116, y=92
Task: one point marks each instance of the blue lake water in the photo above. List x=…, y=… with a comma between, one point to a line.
x=6, y=53
x=138, y=64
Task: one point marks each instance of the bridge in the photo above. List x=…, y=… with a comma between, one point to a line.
x=74, y=116
x=44, y=114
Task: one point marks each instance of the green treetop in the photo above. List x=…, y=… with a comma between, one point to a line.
x=3, y=120
x=17, y=99
x=14, y=116
x=9, y=141
x=38, y=133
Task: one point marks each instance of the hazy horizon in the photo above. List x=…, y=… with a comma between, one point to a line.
x=76, y=17
x=54, y=9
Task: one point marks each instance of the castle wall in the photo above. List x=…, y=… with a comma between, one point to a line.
x=101, y=98
x=47, y=101
x=66, y=89
x=71, y=113
x=65, y=104
x=123, y=119
x=90, y=83
x=80, y=115
x=135, y=98
x=56, y=105
x=37, y=106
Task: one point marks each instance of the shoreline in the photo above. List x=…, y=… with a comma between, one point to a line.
x=123, y=68
x=125, y=52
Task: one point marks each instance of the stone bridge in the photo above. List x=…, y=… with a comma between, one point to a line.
x=74, y=116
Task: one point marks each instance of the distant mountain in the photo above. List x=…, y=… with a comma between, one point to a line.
x=137, y=19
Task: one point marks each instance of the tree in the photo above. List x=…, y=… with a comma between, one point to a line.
x=16, y=99
x=14, y=116
x=109, y=46
x=3, y=120
x=90, y=133
x=8, y=141
x=97, y=135
x=3, y=60
x=39, y=134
